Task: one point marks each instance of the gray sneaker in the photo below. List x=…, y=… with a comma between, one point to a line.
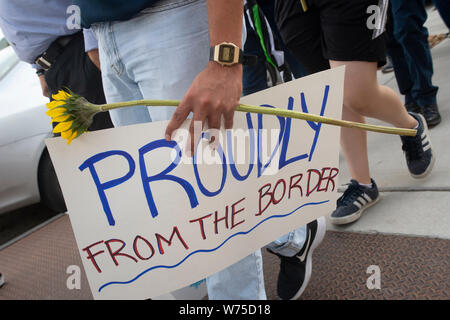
x=353, y=202
x=418, y=151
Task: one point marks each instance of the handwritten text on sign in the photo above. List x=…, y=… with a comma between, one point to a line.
x=149, y=220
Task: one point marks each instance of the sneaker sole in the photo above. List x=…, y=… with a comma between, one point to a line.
x=433, y=158
x=355, y=216
x=321, y=230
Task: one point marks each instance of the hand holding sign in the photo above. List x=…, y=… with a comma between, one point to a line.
x=216, y=100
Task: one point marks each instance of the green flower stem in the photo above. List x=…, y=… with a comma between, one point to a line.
x=311, y=117
x=273, y=111
x=134, y=103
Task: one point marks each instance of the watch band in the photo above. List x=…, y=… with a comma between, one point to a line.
x=247, y=59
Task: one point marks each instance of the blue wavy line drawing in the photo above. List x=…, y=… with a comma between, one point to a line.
x=210, y=250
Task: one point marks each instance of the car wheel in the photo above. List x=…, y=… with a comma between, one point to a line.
x=49, y=189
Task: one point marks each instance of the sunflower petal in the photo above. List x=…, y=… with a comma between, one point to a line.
x=66, y=134
x=62, y=126
x=55, y=104
x=56, y=112
x=61, y=95
x=73, y=136
x=60, y=118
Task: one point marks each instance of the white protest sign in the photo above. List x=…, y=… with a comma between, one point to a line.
x=148, y=220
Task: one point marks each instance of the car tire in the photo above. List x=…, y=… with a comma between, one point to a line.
x=49, y=189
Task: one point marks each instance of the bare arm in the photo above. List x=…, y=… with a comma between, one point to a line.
x=216, y=91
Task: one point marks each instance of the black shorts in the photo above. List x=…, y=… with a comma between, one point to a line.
x=329, y=30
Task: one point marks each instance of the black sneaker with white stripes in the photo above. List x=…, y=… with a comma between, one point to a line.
x=354, y=201
x=418, y=151
x=295, y=272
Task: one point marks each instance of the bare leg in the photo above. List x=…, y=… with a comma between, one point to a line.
x=363, y=96
x=354, y=146
x=366, y=97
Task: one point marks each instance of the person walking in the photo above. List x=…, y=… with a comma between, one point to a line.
x=161, y=49
x=154, y=49
x=333, y=33
x=63, y=57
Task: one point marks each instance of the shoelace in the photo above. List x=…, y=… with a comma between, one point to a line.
x=413, y=148
x=351, y=194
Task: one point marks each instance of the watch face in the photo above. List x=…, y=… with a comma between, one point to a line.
x=226, y=53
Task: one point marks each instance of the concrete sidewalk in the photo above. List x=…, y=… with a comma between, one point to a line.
x=409, y=206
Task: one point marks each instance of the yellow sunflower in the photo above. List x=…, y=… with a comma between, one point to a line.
x=72, y=113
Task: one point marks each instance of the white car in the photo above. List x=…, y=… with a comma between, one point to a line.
x=26, y=172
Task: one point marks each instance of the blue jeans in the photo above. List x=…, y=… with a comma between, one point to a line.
x=157, y=55
x=407, y=44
